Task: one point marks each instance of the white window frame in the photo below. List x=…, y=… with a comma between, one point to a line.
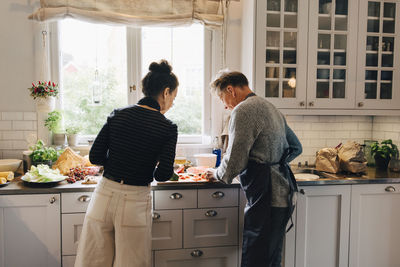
x=211, y=49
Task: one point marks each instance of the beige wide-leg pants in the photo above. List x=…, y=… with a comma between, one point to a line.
x=117, y=227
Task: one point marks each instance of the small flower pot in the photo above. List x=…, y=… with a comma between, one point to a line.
x=59, y=139
x=47, y=104
x=72, y=139
x=381, y=163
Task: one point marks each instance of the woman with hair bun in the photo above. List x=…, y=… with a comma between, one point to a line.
x=135, y=145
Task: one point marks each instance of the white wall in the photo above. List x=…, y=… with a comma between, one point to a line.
x=17, y=57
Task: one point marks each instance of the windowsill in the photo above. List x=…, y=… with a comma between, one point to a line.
x=84, y=147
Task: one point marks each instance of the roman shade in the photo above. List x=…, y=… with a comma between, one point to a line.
x=135, y=12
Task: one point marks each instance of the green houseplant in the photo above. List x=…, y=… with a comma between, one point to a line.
x=383, y=152
x=72, y=134
x=54, y=124
x=42, y=154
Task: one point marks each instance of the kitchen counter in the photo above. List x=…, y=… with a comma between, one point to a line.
x=373, y=176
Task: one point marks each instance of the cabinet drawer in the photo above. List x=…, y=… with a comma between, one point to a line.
x=75, y=202
x=175, y=199
x=71, y=232
x=68, y=261
x=223, y=197
x=167, y=229
x=210, y=227
x=210, y=257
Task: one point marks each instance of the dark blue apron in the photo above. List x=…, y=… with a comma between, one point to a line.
x=256, y=184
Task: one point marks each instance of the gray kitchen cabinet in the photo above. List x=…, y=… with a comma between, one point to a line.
x=197, y=257
x=167, y=229
x=318, y=56
x=73, y=210
x=210, y=227
x=221, y=197
x=374, y=227
x=322, y=226
x=30, y=230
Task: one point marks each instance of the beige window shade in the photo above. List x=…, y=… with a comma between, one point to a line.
x=135, y=12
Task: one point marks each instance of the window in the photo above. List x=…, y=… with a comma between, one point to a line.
x=95, y=65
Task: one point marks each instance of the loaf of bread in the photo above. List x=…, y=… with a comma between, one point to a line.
x=70, y=159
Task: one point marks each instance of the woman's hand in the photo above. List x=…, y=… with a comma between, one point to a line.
x=210, y=175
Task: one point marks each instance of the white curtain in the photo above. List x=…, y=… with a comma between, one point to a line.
x=135, y=12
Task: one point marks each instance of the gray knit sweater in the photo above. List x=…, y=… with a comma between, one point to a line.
x=259, y=132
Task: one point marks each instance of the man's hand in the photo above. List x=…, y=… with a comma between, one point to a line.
x=210, y=175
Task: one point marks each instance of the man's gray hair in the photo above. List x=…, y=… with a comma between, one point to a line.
x=224, y=78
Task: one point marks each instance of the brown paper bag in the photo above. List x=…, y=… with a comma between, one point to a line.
x=352, y=158
x=327, y=160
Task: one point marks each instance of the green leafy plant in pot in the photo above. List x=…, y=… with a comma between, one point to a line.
x=383, y=153
x=54, y=124
x=43, y=155
x=72, y=134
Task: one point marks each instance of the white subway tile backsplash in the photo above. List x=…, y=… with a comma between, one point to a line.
x=31, y=135
x=365, y=126
x=11, y=116
x=376, y=135
x=30, y=116
x=5, y=144
x=350, y=126
x=392, y=135
x=327, y=118
x=302, y=126
x=12, y=154
x=23, y=125
x=13, y=135
x=310, y=134
x=20, y=145
x=5, y=125
x=311, y=119
x=294, y=118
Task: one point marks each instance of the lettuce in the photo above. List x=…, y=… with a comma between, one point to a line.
x=43, y=174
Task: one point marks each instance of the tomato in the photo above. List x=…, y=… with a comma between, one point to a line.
x=180, y=169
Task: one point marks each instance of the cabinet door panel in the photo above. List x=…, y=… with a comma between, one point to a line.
x=71, y=232
x=378, y=77
x=68, y=261
x=206, y=257
x=167, y=229
x=30, y=230
x=322, y=226
x=375, y=221
x=210, y=227
x=281, y=63
x=332, y=53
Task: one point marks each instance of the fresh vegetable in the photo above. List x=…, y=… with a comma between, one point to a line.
x=43, y=174
x=175, y=177
x=41, y=153
x=181, y=169
x=80, y=173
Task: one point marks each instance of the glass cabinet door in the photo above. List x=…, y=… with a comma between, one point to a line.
x=378, y=49
x=332, y=54
x=280, y=65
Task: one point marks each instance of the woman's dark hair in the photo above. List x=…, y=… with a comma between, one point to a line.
x=159, y=77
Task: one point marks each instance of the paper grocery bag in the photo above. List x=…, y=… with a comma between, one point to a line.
x=352, y=158
x=327, y=160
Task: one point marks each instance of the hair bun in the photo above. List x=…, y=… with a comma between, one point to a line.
x=162, y=67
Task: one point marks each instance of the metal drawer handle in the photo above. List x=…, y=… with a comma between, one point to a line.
x=302, y=191
x=196, y=253
x=390, y=189
x=211, y=213
x=156, y=216
x=218, y=194
x=175, y=196
x=84, y=198
x=52, y=200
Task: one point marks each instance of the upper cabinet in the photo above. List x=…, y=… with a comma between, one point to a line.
x=378, y=78
x=328, y=54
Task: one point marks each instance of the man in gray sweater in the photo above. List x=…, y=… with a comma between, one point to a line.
x=260, y=146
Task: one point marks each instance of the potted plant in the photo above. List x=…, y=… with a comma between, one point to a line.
x=43, y=155
x=383, y=153
x=44, y=93
x=72, y=134
x=54, y=124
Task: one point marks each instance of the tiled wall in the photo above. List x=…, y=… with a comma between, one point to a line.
x=386, y=128
x=15, y=129
x=316, y=132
